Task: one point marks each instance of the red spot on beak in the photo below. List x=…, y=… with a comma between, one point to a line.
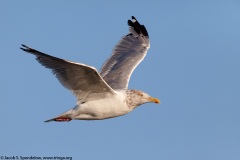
x=155, y=100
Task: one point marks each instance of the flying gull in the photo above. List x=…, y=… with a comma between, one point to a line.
x=104, y=94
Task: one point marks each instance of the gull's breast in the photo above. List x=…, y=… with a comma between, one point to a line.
x=108, y=107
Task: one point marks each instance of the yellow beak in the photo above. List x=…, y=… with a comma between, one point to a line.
x=155, y=100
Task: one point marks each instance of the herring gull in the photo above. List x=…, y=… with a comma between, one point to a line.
x=104, y=94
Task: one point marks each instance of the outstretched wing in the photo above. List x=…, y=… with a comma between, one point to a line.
x=127, y=54
x=81, y=79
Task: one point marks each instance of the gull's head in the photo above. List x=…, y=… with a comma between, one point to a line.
x=136, y=98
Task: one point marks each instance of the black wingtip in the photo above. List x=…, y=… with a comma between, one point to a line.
x=24, y=48
x=24, y=45
x=28, y=49
x=140, y=29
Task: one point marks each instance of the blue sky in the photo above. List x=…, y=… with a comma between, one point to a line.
x=192, y=67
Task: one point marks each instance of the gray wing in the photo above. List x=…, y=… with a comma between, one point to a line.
x=81, y=79
x=127, y=54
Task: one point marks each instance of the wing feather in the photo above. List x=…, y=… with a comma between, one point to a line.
x=126, y=55
x=81, y=79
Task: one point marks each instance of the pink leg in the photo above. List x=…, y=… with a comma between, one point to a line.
x=62, y=119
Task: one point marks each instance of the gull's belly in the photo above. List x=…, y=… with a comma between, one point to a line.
x=102, y=108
